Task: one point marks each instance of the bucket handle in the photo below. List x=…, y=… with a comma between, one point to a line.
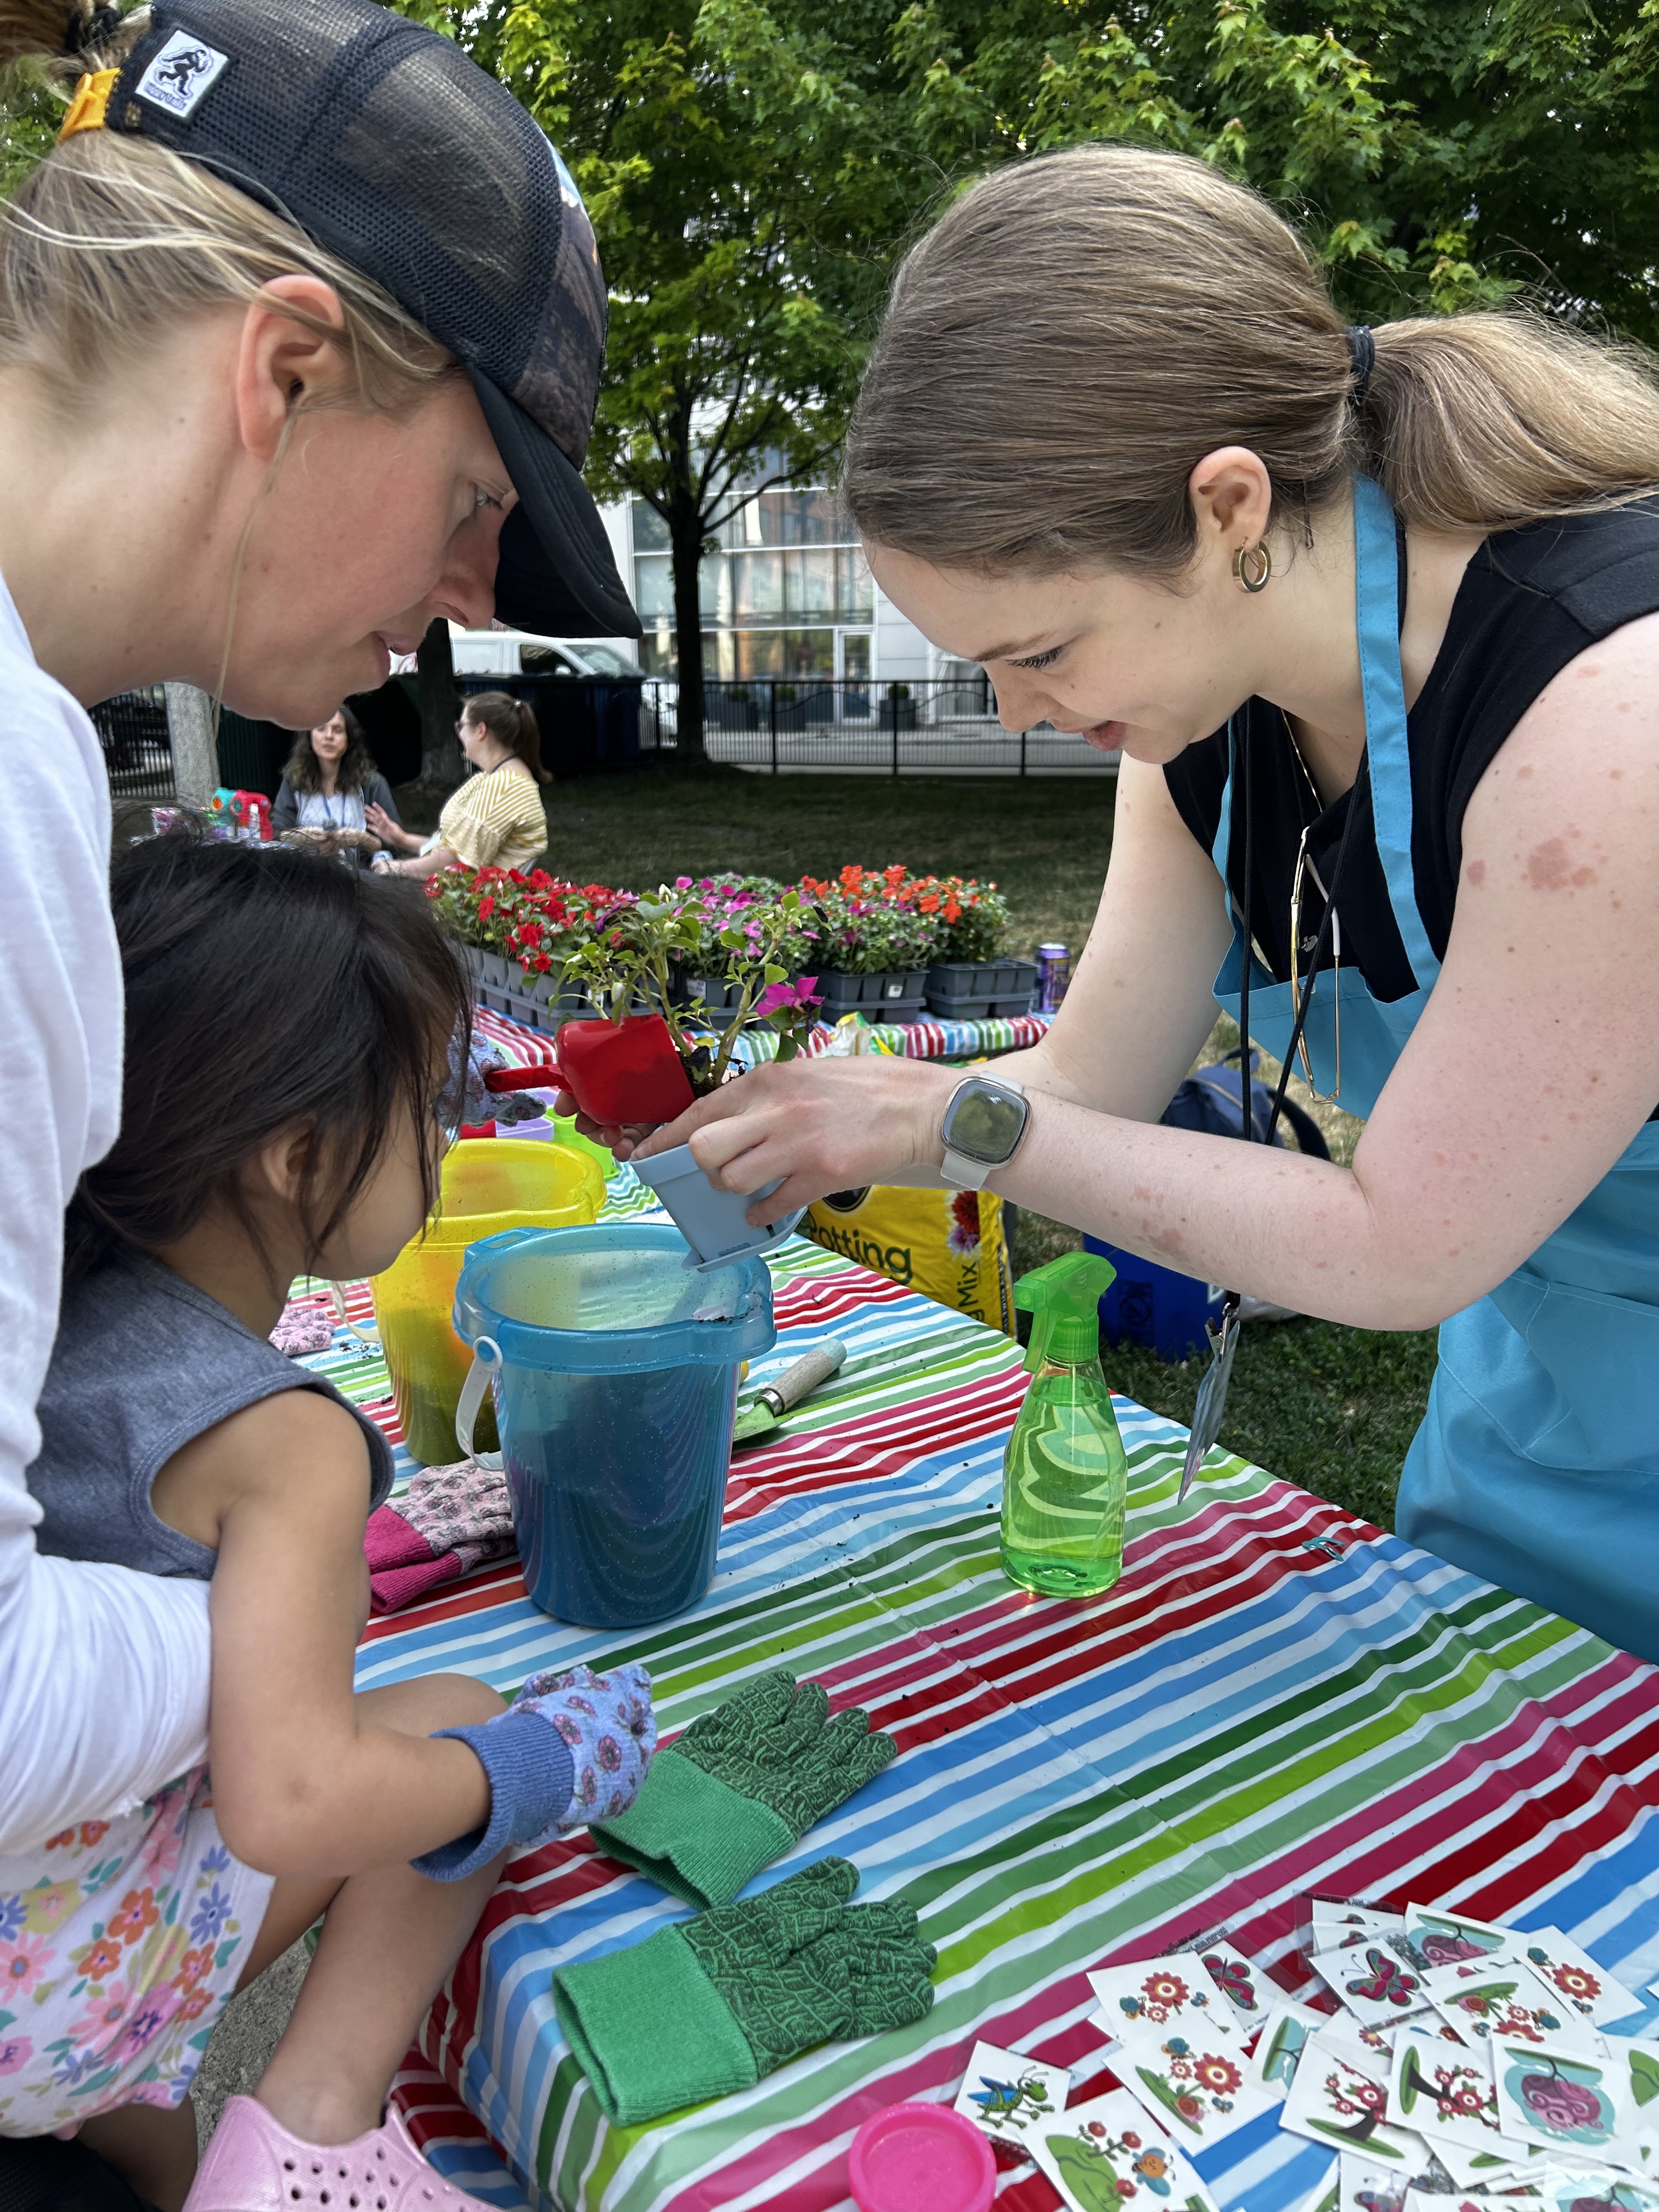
x=486, y=1358
x=370, y=1336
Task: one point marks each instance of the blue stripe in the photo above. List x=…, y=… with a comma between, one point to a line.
x=1387, y=748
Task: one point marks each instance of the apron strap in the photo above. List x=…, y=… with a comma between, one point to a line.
x=1387, y=749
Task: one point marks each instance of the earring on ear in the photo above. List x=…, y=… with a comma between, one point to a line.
x=1253, y=565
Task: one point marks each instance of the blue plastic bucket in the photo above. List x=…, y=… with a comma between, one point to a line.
x=615, y=1378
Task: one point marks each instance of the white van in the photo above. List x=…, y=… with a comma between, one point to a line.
x=520, y=653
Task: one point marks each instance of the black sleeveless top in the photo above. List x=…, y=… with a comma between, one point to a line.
x=1530, y=601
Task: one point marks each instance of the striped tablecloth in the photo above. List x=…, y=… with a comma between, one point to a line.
x=1276, y=1697
x=909, y=1039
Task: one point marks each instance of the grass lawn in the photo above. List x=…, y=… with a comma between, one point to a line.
x=1331, y=1408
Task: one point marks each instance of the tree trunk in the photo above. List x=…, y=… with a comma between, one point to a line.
x=442, y=762
x=685, y=538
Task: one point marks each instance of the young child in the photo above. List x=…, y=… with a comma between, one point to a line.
x=290, y=1028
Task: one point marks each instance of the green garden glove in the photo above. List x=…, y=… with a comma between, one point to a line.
x=741, y=1788
x=710, y=2006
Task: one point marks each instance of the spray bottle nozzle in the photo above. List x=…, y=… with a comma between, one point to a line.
x=1063, y=1299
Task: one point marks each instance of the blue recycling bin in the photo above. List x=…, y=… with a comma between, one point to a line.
x=1154, y=1307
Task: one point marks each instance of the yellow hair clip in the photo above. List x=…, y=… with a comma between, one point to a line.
x=87, y=109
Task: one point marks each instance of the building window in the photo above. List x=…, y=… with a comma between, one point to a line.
x=784, y=591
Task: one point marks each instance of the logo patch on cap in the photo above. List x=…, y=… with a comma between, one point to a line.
x=180, y=74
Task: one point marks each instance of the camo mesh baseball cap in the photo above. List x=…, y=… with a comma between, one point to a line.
x=387, y=145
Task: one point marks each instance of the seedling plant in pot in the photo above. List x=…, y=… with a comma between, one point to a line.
x=644, y=1068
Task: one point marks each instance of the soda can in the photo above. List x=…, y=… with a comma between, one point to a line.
x=1054, y=973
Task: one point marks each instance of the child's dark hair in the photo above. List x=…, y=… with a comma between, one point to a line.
x=265, y=988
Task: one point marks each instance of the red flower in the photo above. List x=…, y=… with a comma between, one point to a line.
x=1130, y=2142
x=486, y=908
x=1219, y=2075
x=1165, y=1989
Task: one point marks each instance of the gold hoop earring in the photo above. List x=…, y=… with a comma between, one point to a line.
x=1253, y=565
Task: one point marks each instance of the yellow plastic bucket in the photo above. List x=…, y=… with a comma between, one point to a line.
x=488, y=1184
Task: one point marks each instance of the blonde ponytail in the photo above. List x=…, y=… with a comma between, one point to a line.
x=1078, y=332
x=110, y=241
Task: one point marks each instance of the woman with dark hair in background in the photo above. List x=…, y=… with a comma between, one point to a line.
x=496, y=820
x=328, y=784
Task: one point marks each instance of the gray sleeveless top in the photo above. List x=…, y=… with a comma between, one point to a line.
x=143, y=1362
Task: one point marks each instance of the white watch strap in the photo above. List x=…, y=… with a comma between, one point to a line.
x=967, y=1175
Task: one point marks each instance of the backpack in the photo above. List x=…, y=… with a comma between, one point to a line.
x=1208, y=1102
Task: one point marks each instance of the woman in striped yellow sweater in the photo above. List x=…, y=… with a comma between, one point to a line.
x=495, y=819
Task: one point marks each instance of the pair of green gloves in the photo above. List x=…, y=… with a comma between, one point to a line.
x=711, y=2005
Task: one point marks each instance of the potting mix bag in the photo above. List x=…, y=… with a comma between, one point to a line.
x=948, y=1244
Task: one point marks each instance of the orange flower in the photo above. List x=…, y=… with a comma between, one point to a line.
x=56, y=1842
x=194, y=1965
x=194, y=2003
x=136, y=1914
x=94, y=1832
x=98, y=1960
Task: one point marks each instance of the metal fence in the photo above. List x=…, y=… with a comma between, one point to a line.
x=771, y=725
x=132, y=729
x=942, y=727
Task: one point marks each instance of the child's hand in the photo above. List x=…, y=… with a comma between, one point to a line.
x=571, y=1743
x=607, y=1722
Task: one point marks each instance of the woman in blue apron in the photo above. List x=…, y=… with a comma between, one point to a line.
x=1372, y=617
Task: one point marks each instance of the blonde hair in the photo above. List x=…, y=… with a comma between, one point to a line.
x=110, y=240
x=1078, y=332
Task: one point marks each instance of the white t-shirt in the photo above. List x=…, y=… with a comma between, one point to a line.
x=103, y=1672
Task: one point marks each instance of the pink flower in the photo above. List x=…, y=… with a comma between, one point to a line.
x=23, y=1964
x=776, y=996
x=15, y=2053
x=104, y=2016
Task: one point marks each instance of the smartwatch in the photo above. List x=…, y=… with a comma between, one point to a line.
x=982, y=1127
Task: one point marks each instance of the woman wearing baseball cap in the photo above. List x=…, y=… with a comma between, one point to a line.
x=297, y=275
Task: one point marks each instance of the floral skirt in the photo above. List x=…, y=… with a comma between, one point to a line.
x=119, y=1942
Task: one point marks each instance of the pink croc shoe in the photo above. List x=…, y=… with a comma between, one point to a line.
x=254, y=2164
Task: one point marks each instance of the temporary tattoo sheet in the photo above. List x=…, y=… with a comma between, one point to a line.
x=1509, y=2167
x=1341, y=2097
x=1371, y=1983
x=1271, y=2065
x=1337, y=1926
x=1366, y=2187
x=1160, y=1996
x=1250, y=1997
x=1101, y=2154
x=1641, y=2064
x=1193, y=2083
x=1486, y=1997
x=1577, y=2188
x=1446, y=1939
x=1006, y=2096
x=1444, y=2090
x=1555, y=2094
x=1569, y=1969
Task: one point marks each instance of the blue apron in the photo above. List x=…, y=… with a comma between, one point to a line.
x=1537, y=1464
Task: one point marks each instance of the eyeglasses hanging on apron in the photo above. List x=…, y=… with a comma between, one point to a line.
x=1224, y=1336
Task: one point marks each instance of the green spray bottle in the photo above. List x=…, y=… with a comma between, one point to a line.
x=1065, y=1478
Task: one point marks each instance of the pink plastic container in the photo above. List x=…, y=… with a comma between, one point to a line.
x=920, y=2158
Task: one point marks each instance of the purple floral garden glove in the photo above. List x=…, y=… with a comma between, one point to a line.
x=607, y=1721
x=571, y=1747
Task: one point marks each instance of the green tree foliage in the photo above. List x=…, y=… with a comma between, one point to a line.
x=754, y=168
x=1441, y=154
x=729, y=154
